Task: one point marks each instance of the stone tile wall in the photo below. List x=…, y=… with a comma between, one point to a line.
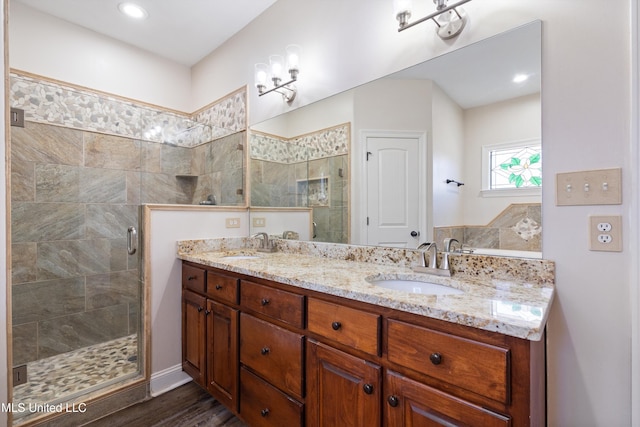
x=74, y=193
x=279, y=164
x=519, y=227
x=73, y=196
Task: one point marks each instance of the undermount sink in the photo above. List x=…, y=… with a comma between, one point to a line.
x=415, y=286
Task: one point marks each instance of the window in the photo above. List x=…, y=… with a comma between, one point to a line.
x=513, y=168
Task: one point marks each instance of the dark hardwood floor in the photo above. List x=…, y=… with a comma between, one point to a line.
x=185, y=406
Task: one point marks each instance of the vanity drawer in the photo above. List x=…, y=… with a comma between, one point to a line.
x=222, y=288
x=273, y=353
x=356, y=328
x=471, y=365
x=193, y=278
x=264, y=405
x=275, y=303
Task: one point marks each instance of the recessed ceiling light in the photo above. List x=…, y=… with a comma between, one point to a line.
x=519, y=78
x=133, y=10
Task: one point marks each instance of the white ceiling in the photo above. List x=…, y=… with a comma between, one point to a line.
x=482, y=73
x=184, y=31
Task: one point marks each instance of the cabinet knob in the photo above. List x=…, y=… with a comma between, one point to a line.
x=336, y=325
x=218, y=287
x=264, y=301
x=264, y=412
x=368, y=388
x=436, y=358
x=200, y=309
x=264, y=351
x=393, y=401
x=192, y=278
x=207, y=312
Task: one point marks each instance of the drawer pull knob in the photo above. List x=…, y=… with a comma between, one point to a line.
x=368, y=388
x=192, y=278
x=200, y=309
x=336, y=325
x=264, y=412
x=218, y=287
x=436, y=358
x=264, y=351
x=393, y=401
x=264, y=301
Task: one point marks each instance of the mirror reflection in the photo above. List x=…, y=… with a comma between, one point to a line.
x=447, y=148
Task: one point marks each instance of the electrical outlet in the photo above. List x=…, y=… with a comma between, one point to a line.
x=595, y=187
x=259, y=222
x=605, y=233
x=232, y=222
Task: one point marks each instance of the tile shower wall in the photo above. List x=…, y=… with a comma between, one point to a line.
x=74, y=194
x=80, y=170
x=518, y=227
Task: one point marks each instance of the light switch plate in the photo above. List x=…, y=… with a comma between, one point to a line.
x=595, y=187
x=605, y=233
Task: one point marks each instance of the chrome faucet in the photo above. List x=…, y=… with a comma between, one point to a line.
x=266, y=245
x=288, y=234
x=432, y=250
x=449, y=243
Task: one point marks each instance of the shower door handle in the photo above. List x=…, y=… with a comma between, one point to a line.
x=132, y=240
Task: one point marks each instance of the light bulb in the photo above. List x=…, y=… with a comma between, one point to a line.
x=293, y=59
x=277, y=66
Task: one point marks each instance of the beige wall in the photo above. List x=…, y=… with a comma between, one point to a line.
x=586, y=116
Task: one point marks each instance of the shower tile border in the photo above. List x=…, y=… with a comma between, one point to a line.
x=64, y=104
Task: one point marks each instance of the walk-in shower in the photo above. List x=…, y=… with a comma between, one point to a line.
x=77, y=291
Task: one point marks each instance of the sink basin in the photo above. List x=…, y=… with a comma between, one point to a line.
x=416, y=287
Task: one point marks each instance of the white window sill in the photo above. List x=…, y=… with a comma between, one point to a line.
x=512, y=192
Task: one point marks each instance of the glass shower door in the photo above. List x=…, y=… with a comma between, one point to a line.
x=77, y=299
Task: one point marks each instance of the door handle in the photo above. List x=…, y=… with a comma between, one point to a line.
x=132, y=240
x=415, y=234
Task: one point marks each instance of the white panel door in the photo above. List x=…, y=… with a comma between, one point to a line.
x=393, y=191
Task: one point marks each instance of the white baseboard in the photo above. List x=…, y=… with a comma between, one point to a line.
x=168, y=379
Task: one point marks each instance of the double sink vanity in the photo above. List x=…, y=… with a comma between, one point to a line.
x=322, y=334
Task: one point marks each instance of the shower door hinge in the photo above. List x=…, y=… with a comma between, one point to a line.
x=17, y=117
x=19, y=375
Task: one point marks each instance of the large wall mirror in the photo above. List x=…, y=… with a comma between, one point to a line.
x=447, y=148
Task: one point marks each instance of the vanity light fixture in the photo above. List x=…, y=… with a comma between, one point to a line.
x=450, y=20
x=133, y=10
x=275, y=72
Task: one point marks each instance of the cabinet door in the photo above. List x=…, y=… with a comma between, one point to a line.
x=412, y=404
x=343, y=390
x=193, y=335
x=222, y=353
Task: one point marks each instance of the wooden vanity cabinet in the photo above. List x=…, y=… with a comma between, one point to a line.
x=193, y=336
x=410, y=403
x=272, y=378
x=278, y=355
x=210, y=332
x=342, y=389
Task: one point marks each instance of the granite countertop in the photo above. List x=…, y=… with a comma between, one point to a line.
x=491, y=302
